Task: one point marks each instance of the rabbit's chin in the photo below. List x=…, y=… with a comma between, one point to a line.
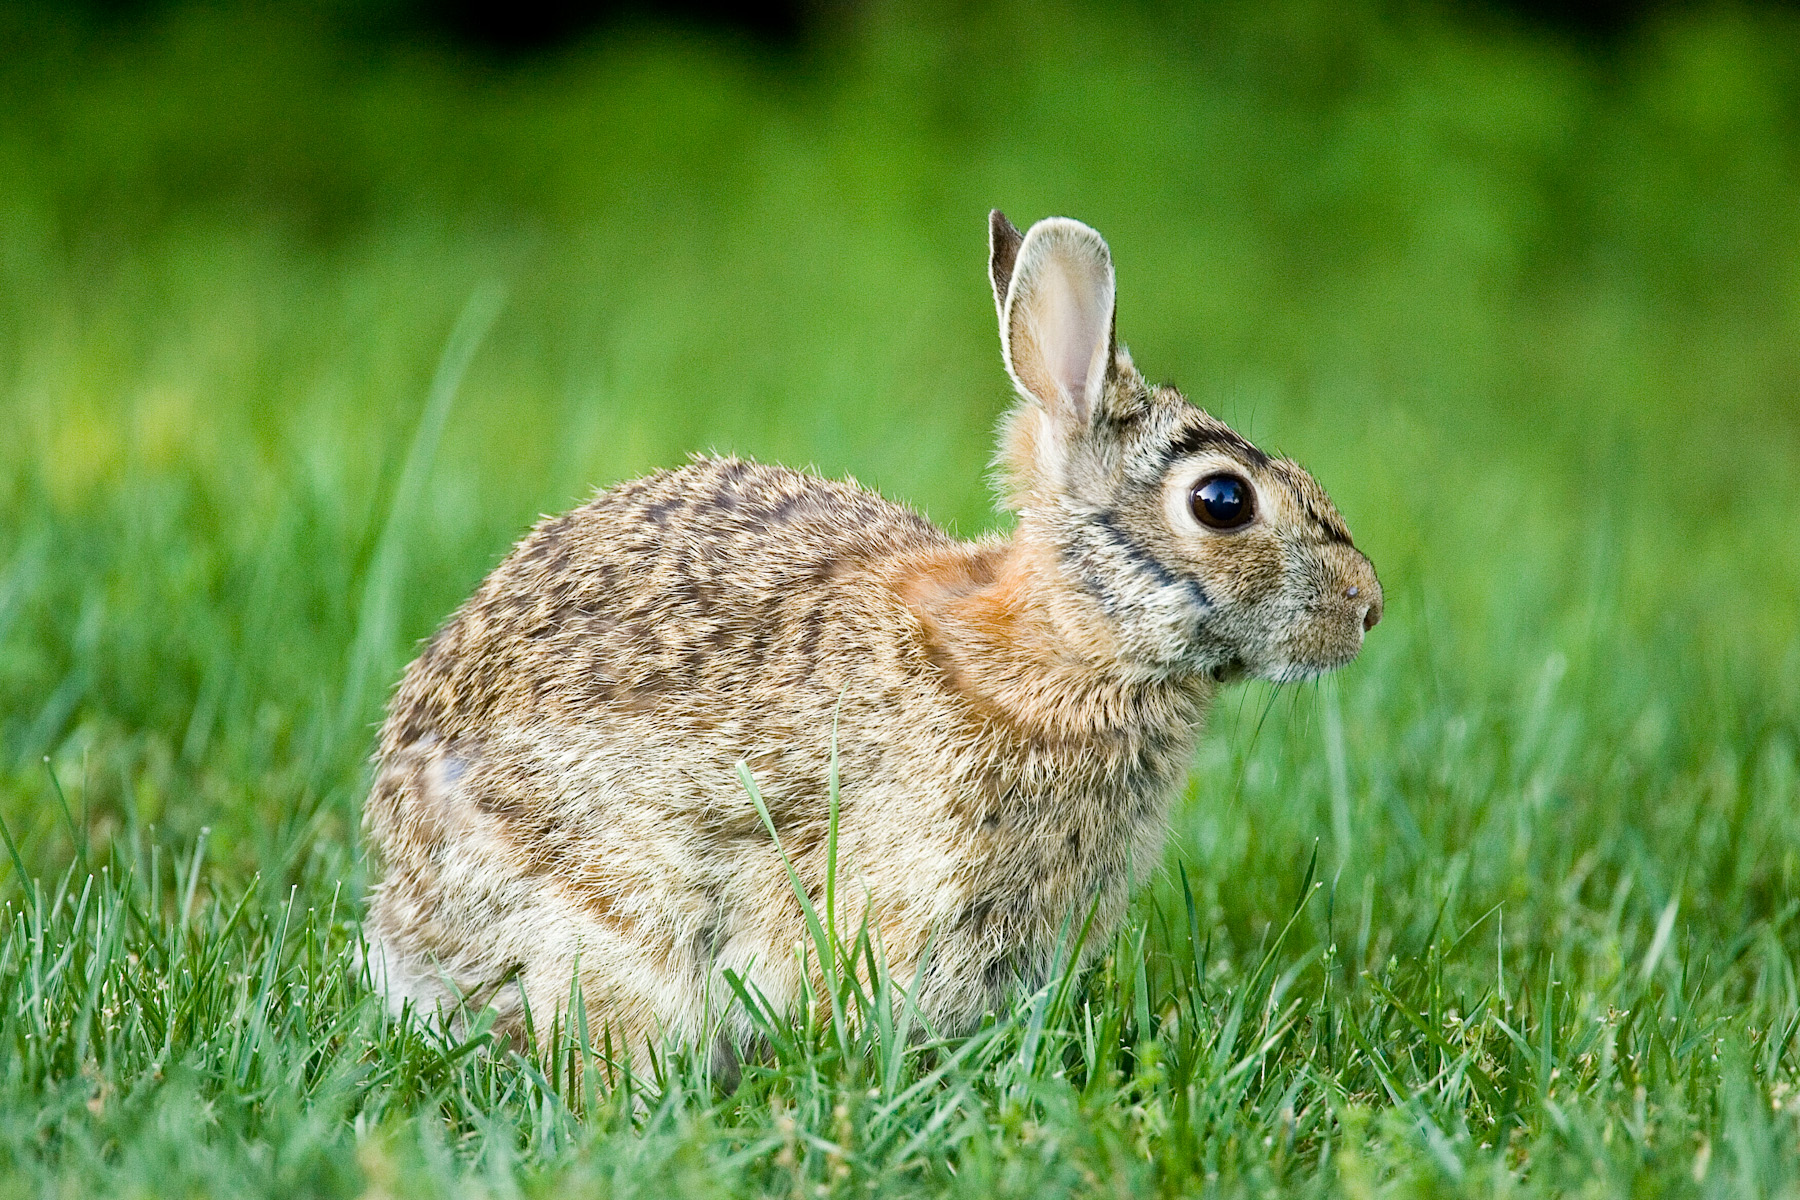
x=1300, y=670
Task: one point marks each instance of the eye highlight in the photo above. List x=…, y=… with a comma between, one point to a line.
x=1223, y=502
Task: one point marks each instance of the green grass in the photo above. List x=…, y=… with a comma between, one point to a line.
x=1532, y=314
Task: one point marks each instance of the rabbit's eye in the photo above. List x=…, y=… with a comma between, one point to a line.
x=1223, y=502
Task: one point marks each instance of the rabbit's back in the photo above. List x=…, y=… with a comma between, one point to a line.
x=695, y=593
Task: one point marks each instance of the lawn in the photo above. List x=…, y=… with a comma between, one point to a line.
x=302, y=323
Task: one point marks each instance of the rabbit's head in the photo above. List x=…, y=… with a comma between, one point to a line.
x=1181, y=547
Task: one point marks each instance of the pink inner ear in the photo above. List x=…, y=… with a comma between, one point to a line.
x=1072, y=329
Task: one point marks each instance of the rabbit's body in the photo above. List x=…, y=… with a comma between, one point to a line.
x=731, y=612
x=558, y=797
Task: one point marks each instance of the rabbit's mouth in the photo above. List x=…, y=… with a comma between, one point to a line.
x=1229, y=671
x=1317, y=661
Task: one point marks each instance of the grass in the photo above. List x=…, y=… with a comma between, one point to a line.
x=1510, y=906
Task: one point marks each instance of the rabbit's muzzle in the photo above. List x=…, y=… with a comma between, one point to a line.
x=1339, y=601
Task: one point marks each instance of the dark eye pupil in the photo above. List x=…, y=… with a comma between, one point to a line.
x=1222, y=502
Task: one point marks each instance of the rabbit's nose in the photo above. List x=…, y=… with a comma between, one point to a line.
x=1371, y=614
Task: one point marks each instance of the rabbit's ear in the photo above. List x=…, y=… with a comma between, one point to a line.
x=1056, y=325
x=1003, y=251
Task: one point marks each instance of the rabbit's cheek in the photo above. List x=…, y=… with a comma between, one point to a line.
x=1241, y=569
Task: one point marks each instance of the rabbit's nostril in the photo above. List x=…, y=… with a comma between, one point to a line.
x=1372, y=616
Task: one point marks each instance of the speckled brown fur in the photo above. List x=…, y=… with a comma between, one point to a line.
x=556, y=794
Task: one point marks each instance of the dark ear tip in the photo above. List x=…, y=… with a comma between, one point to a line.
x=1003, y=249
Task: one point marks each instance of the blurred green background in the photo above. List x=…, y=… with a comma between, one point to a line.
x=1526, y=301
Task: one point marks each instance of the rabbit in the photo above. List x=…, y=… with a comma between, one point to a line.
x=557, y=799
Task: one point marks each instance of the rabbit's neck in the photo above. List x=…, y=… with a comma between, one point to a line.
x=1000, y=626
